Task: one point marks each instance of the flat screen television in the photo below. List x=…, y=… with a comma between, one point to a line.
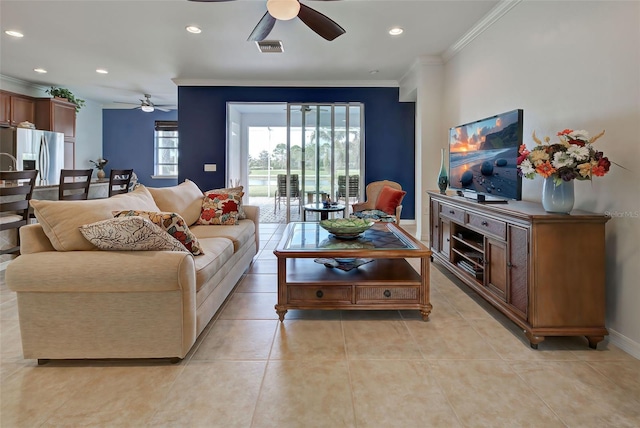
x=483, y=158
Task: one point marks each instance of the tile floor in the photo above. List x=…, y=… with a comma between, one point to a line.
x=468, y=366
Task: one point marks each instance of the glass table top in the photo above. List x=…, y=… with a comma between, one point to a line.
x=312, y=237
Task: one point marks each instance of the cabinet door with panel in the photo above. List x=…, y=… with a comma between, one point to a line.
x=22, y=110
x=445, y=238
x=434, y=229
x=5, y=109
x=518, y=269
x=496, y=267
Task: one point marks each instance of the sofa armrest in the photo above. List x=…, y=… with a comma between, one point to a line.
x=33, y=239
x=253, y=214
x=102, y=272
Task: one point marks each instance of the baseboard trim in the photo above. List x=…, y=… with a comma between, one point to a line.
x=629, y=346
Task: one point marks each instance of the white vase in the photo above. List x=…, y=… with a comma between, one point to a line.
x=557, y=198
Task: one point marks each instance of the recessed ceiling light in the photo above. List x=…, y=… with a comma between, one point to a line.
x=395, y=31
x=374, y=71
x=193, y=29
x=13, y=33
x=40, y=70
x=102, y=71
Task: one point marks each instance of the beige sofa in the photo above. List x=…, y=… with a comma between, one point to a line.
x=77, y=302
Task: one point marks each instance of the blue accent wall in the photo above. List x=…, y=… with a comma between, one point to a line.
x=389, y=130
x=127, y=142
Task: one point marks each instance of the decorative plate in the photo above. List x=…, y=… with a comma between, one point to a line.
x=346, y=228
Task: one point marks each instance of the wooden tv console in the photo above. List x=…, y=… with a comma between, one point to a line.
x=544, y=271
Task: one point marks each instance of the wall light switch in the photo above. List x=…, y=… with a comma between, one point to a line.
x=210, y=167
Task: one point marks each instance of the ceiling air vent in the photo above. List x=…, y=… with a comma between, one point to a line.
x=270, y=46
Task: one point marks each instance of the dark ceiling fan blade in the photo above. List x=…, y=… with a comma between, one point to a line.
x=263, y=28
x=324, y=26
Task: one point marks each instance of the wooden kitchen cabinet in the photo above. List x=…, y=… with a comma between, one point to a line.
x=16, y=108
x=544, y=271
x=58, y=115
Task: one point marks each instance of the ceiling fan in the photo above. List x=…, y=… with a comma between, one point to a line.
x=284, y=10
x=147, y=106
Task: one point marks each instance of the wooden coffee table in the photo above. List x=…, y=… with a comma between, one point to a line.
x=387, y=282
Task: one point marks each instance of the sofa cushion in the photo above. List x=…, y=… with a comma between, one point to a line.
x=217, y=252
x=220, y=209
x=172, y=223
x=388, y=199
x=184, y=199
x=238, y=190
x=129, y=234
x=60, y=220
x=239, y=234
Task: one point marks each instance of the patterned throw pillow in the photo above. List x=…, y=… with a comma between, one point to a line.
x=129, y=234
x=239, y=191
x=171, y=223
x=220, y=208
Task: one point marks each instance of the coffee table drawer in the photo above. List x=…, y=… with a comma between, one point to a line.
x=304, y=293
x=366, y=294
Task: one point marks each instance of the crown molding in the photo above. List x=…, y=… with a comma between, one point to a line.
x=23, y=82
x=289, y=83
x=487, y=21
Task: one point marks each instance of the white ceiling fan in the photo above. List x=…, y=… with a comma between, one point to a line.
x=147, y=106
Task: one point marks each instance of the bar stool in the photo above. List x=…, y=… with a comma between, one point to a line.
x=119, y=181
x=77, y=186
x=15, y=214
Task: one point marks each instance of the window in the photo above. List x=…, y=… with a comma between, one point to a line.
x=166, y=148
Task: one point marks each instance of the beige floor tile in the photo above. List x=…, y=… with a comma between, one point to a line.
x=263, y=266
x=379, y=339
x=450, y=338
x=6, y=295
x=580, y=395
x=266, y=255
x=305, y=394
x=267, y=283
x=471, y=306
x=237, y=340
x=625, y=374
x=116, y=396
x=511, y=344
x=10, y=340
x=383, y=315
x=398, y=393
x=309, y=340
x=250, y=306
x=30, y=395
x=9, y=310
x=212, y=394
x=491, y=394
x=606, y=351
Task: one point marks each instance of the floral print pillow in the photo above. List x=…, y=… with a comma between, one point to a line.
x=235, y=190
x=172, y=223
x=220, y=208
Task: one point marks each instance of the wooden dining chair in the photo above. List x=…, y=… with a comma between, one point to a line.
x=119, y=181
x=18, y=188
x=74, y=184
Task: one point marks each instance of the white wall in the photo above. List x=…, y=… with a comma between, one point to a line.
x=569, y=64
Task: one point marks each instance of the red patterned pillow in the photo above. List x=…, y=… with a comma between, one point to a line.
x=220, y=208
x=172, y=223
x=239, y=191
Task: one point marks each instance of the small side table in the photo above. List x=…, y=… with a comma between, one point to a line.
x=324, y=212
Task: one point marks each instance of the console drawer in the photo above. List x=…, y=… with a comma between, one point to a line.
x=383, y=294
x=451, y=212
x=310, y=293
x=487, y=225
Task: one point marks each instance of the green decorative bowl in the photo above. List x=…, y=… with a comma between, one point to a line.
x=346, y=228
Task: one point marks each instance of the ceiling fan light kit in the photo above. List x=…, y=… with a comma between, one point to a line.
x=147, y=109
x=283, y=10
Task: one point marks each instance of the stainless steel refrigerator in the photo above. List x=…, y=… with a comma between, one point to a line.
x=33, y=149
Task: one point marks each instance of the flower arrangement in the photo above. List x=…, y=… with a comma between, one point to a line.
x=99, y=163
x=572, y=157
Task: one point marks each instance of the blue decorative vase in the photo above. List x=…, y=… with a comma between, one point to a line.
x=443, y=179
x=557, y=198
